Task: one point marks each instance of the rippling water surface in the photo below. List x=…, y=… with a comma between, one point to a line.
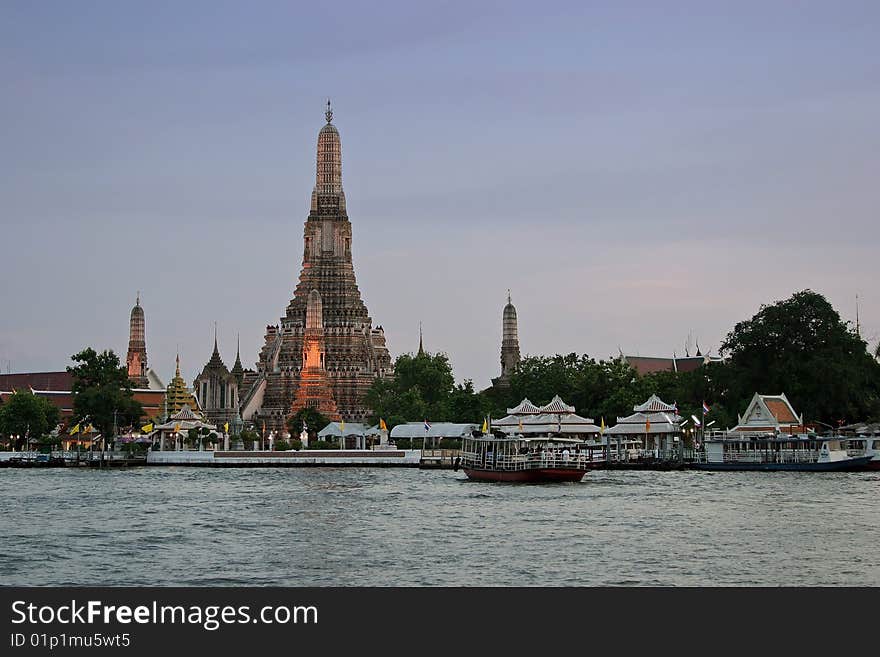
x=378, y=527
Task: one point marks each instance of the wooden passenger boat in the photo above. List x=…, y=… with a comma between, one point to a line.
x=523, y=459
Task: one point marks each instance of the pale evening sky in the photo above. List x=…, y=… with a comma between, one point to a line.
x=634, y=172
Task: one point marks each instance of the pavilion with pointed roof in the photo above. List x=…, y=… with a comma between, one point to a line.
x=172, y=433
x=555, y=417
x=654, y=424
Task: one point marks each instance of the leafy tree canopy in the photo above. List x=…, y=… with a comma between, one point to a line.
x=26, y=413
x=801, y=346
x=103, y=391
x=423, y=387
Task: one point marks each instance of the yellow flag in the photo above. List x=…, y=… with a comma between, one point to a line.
x=602, y=427
x=485, y=427
x=74, y=429
x=520, y=425
x=147, y=428
x=177, y=427
x=90, y=429
x=226, y=427
x=382, y=425
x=342, y=425
x=647, y=426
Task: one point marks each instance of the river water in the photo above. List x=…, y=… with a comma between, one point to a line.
x=409, y=527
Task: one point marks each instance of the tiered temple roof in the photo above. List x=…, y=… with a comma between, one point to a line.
x=554, y=417
x=177, y=395
x=663, y=419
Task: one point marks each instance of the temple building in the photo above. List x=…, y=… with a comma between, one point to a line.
x=177, y=395
x=216, y=390
x=769, y=414
x=354, y=351
x=510, y=356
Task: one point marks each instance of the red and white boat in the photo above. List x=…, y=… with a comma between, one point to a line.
x=524, y=459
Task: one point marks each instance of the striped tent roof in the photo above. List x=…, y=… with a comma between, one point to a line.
x=654, y=405
x=435, y=430
x=338, y=429
x=556, y=405
x=525, y=407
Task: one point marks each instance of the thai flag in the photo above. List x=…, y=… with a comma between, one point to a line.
x=705, y=408
x=427, y=426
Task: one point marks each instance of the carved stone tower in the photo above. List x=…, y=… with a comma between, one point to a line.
x=136, y=360
x=510, y=356
x=354, y=352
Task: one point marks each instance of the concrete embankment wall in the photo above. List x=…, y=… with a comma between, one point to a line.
x=335, y=458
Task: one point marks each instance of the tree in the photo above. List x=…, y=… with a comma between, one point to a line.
x=431, y=374
x=800, y=346
x=24, y=413
x=597, y=389
x=313, y=419
x=420, y=389
x=464, y=405
x=103, y=391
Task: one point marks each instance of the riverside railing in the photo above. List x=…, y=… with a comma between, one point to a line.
x=527, y=461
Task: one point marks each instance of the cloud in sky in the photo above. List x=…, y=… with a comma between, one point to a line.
x=634, y=175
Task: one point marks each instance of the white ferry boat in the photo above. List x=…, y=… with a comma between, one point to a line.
x=774, y=452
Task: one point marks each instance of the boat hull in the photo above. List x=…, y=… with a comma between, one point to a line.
x=848, y=465
x=535, y=475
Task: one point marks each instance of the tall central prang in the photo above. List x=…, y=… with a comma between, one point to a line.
x=339, y=327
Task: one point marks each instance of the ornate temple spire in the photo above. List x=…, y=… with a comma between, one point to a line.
x=237, y=370
x=176, y=393
x=509, y=339
x=136, y=360
x=421, y=346
x=328, y=174
x=216, y=361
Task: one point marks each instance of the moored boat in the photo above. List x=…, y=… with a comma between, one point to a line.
x=531, y=459
x=865, y=445
x=778, y=452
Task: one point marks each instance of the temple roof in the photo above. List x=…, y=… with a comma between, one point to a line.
x=767, y=412
x=547, y=423
x=655, y=404
x=556, y=405
x=637, y=424
x=185, y=413
x=525, y=407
